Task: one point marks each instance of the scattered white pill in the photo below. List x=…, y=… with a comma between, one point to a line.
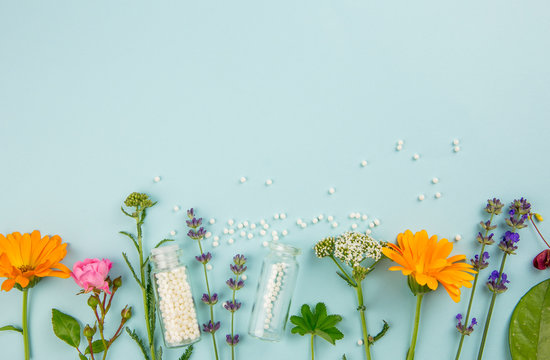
x=176, y=208
x=230, y=241
x=368, y=232
x=371, y=225
x=331, y=190
x=225, y=230
x=421, y=197
x=230, y=222
x=240, y=226
x=250, y=235
x=334, y=224
x=456, y=142
x=275, y=238
x=376, y=222
x=156, y=179
x=212, y=221
x=416, y=157
x=303, y=225
x=231, y=231
x=458, y=237
x=265, y=243
x=268, y=182
x=456, y=149
x=400, y=142
x=208, y=234
x=244, y=277
x=364, y=217
x=364, y=163
x=242, y=180
x=320, y=217
x=262, y=221
x=357, y=215
x=314, y=220
x=215, y=243
x=262, y=232
x=330, y=218
x=360, y=342
x=284, y=232
x=299, y=222
x=208, y=267
x=354, y=226
x=399, y=147
x=276, y=216
x=216, y=238
x=266, y=226
x=437, y=195
x=435, y=180
x=274, y=233
x=252, y=226
x=352, y=215
x=243, y=233
x=282, y=216
x=173, y=232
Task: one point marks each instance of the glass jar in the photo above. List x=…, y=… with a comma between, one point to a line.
x=175, y=305
x=274, y=294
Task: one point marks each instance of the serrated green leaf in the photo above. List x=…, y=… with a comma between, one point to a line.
x=317, y=322
x=187, y=354
x=307, y=315
x=132, y=237
x=143, y=216
x=151, y=303
x=329, y=321
x=344, y=357
x=11, y=328
x=163, y=241
x=125, y=213
x=97, y=347
x=529, y=334
x=82, y=357
x=132, y=269
x=139, y=342
x=346, y=279
x=66, y=328
x=320, y=313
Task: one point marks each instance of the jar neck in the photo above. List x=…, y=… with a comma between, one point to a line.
x=165, y=261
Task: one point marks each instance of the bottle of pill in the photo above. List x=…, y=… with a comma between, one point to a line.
x=174, y=298
x=274, y=294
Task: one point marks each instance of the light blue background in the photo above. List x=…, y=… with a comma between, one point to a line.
x=97, y=98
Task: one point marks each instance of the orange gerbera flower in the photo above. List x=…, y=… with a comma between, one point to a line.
x=425, y=259
x=26, y=258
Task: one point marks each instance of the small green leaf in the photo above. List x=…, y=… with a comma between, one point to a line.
x=317, y=323
x=132, y=270
x=163, y=241
x=187, y=354
x=11, y=328
x=97, y=347
x=125, y=213
x=139, y=342
x=346, y=279
x=344, y=357
x=151, y=303
x=529, y=334
x=66, y=328
x=132, y=237
x=82, y=357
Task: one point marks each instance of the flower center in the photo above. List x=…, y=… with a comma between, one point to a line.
x=25, y=268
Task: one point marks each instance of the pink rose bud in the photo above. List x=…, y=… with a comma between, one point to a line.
x=542, y=260
x=91, y=274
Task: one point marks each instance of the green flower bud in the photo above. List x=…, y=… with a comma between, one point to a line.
x=416, y=288
x=359, y=273
x=138, y=200
x=93, y=302
x=89, y=332
x=117, y=282
x=126, y=313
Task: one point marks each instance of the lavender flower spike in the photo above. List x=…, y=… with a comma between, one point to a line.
x=239, y=259
x=480, y=264
x=508, y=242
x=462, y=328
x=210, y=300
x=235, y=285
x=495, y=285
x=204, y=258
x=211, y=328
x=232, y=341
x=232, y=306
x=237, y=269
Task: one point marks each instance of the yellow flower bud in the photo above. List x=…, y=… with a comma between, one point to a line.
x=539, y=217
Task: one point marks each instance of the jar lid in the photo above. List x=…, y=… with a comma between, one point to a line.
x=165, y=249
x=291, y=250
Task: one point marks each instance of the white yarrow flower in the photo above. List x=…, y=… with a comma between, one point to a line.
x=352, y=248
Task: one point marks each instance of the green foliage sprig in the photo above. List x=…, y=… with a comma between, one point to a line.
x=316, y=322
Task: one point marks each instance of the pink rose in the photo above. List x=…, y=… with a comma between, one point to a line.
x=90, y=274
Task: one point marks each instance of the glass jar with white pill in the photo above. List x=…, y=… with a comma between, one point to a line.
x=274, y=293
x=175, y=306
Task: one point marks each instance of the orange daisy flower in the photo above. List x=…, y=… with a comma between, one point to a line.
x=425, y=259
x=27, y=258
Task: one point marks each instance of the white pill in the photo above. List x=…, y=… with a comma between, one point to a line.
x=225, y=230
x=315, y=220
x=156, y=179
x=360, y=342
x=352, y=215
x=240, y=226
x=208, y=234
x=252, y=226
x=416, y=157
x=268, y=182
x=244, y=277
x=354, y=226
x=262, y=221
x=371, y=225
x=242, y=180
x=276, y=216
x=435, y=180
x=282, y=216
x=208, y=267
x=364, y=217
x=331, y=190
x=368, y=232
x=437, y=195
x=265, y=243
x=262, y=232
x=334, y=224
x=456, y=149
x=212, y=221
x=173, y=232
x=176, y=208
x=303, y=225
x=274, y=233
x=421, y=197
x=456, y=142
x=399, y=147
x=243, y=233
x=230, y=222
x=284, y=232
x=320, y=217
x=275, y=238
x=299, y=222
x=266, y=226
x=230, y=241
x=216, y=238
x=458, y=237
x=399, y=142
x=376, y=222
x=250, y=236
x=364, y=163
x=330, y=218
x=231, y=231
x=245, y=223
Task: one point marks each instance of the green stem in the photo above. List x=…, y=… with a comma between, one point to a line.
x=410, y=354
x=350, y=279
x=490, y=313
x=232, y=321
x=312, y=351
x=150, y=336
x=25, y=323
x=363, y=319
x=211, y=306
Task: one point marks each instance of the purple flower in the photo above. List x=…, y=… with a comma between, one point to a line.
x=519, y=213
x=191, y=213
x=211, y=328
x=507, y=244
x=210, y=300
x=232, y=341
x=197, y=235
x=497, y=283
x=458, y=317
x=479, y=265
x=494, y=206
x=461, y=327
x=232, y=306
x=237, y=269
x=486, y=240
x=194, y=223
x=204, y=258
x=487, y=225
x=234, y=285
x=239, y=259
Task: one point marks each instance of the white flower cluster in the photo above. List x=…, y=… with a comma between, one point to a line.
x=324, y=247
x=274, y=286
x=352, y=248
x=177, y=308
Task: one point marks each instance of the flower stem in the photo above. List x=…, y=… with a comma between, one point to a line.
x=312, y=351
x=536, y=228
x=410, y=353
x=344, y=272
x=25, y=323
x=361, y=309
x=211, y=306
x=490, y=312
x=232, y=322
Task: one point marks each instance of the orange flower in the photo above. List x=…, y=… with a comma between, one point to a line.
x=425, y=259
x=26, y=258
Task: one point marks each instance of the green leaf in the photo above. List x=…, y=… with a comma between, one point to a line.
x=143, y=216
x=163, y=241
x=529, y=334
x=139, y=342
x=125, y=213
x=344, y=357
x=132, y=237
x=82, y=357
x=346, y=279
x=132, y=269
x=66, y=328
x=317, y=323
x=382, y=332
x=11, y=328
x=187, y=354
x=97, y=347
x=159, y=353
x=151, y=304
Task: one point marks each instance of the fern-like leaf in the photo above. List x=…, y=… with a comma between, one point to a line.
x=187, y=354
x=151, y=305
x=125, y=213
x=132, y=269
x=132, y=237
x=139, y=342
x=163, y=241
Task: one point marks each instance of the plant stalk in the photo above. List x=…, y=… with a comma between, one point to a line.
x=410, y=354
x=211, y=306
x=312, y=350
x=361, y=309
x=26, y=324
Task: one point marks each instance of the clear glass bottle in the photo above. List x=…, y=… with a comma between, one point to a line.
x=274, y=294
x=175, y=306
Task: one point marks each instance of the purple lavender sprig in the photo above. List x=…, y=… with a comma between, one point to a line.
x=237, y=268
x=480, y=264
x=497, y=282
x=197, y=232
x=462, y=327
